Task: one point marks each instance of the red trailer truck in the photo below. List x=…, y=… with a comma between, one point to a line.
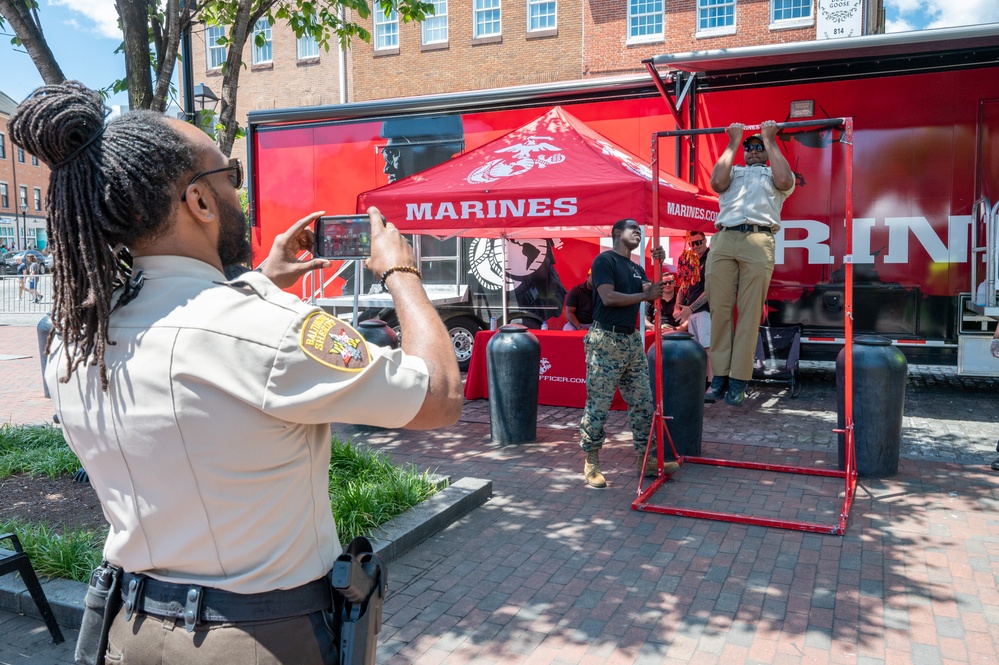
x=926, y=162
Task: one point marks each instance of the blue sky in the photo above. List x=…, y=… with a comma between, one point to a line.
x=83, y=35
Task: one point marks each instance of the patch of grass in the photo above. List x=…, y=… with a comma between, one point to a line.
x=38, y=450
x=366, y=490
x=69, y=553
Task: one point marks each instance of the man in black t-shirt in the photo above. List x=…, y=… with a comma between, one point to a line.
x=615, y=352
x=667, y=305
x=579, y=305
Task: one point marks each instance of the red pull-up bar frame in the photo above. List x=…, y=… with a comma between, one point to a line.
x=659, y=428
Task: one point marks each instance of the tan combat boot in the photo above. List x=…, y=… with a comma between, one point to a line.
x=592, y=470
x=650, y=465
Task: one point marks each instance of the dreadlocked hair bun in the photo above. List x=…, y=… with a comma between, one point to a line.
x=72, y=110
x=109, y=186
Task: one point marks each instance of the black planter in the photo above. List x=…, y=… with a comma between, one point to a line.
x=378, y=332
x=685, y=367
x=879, y=376
x=513, y=360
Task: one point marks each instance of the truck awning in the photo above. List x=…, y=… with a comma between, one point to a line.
x=824, y=50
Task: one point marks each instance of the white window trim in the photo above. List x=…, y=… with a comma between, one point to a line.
x=385, y=21
x=209, y=47
x=255, y=48
x=803, y=22
x=718, y=32
x=298, y=48
x=447, y=28
x=642, y=39
x=554, y=27
x=491, y=35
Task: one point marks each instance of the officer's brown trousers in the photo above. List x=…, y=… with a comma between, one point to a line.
x=151, y=640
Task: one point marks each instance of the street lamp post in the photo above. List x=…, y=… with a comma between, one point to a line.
x=24, y=224
x=203, y=95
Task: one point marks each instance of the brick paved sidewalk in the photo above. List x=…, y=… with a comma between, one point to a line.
x=549, y=571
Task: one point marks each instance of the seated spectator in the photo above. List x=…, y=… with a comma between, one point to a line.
x=579, y=305
x=668, y=305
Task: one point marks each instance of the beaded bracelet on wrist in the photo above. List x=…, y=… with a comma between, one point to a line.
x=410, y=269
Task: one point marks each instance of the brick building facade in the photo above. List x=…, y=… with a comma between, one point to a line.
x=482, y=44
x=23, y=187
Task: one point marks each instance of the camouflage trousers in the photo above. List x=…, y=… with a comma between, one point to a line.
x=615, y=360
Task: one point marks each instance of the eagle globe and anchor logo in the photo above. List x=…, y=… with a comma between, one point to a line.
x=522, y=158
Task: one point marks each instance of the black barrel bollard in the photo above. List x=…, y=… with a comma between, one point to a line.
x=513, y=360
x=378, y=332
x=44, y=326
x=685, y=367
x=879, y=376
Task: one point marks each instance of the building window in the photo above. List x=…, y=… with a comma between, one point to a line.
x=486, y=20
x=34, y=161
x=785, y=13
x=216, y=51
x=38, y=198
x=540, y=15
x=3, y=147
x=4, y=196
x=24, y=197
x=715, y=17
x=308, y=47
x=435, y=27
x=645, y=20
x=386, y=30
x=20, y=155
x=263, y=48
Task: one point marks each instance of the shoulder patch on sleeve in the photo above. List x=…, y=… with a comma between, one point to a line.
x=331, y=342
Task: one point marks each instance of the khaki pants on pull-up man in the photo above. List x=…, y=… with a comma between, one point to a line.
x=741, y=260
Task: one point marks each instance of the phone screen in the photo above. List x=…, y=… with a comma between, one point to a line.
x=343, y=237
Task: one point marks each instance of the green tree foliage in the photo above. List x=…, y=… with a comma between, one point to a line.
x=152, y=31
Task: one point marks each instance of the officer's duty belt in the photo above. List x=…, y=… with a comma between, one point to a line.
x=623, y=330
x=749, y=228
x=196, y=604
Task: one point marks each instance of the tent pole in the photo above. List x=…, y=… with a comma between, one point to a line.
x=506, y=267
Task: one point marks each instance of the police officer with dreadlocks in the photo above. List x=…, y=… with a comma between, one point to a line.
x=200, y=407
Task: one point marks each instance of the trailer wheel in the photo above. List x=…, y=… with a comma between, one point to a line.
x=462, y=330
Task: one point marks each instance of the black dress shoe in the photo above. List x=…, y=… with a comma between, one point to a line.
x=995, y=465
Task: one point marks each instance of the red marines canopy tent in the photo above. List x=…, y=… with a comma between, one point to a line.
x=553, y=177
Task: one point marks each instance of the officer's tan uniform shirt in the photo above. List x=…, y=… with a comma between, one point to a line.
x=210, y=450
x=751, y=198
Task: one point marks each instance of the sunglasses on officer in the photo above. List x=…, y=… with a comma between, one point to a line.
x=235, y=170
x=753, y=146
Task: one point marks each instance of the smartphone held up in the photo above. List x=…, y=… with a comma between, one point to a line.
x=343, y=237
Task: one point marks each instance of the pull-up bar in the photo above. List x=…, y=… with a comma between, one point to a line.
x=659, y=428
x=797, y=124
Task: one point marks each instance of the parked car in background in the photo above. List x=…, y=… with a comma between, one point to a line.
x=10, y=261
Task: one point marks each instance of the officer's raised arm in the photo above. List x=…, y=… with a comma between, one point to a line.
x=423, y=333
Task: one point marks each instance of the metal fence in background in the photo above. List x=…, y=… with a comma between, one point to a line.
x=16, y=296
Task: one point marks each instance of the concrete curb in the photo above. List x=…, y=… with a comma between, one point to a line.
x=394, y=538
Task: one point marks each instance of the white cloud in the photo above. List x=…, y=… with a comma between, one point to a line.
x=101, y=13
x=900, y=25
x=940, y=13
